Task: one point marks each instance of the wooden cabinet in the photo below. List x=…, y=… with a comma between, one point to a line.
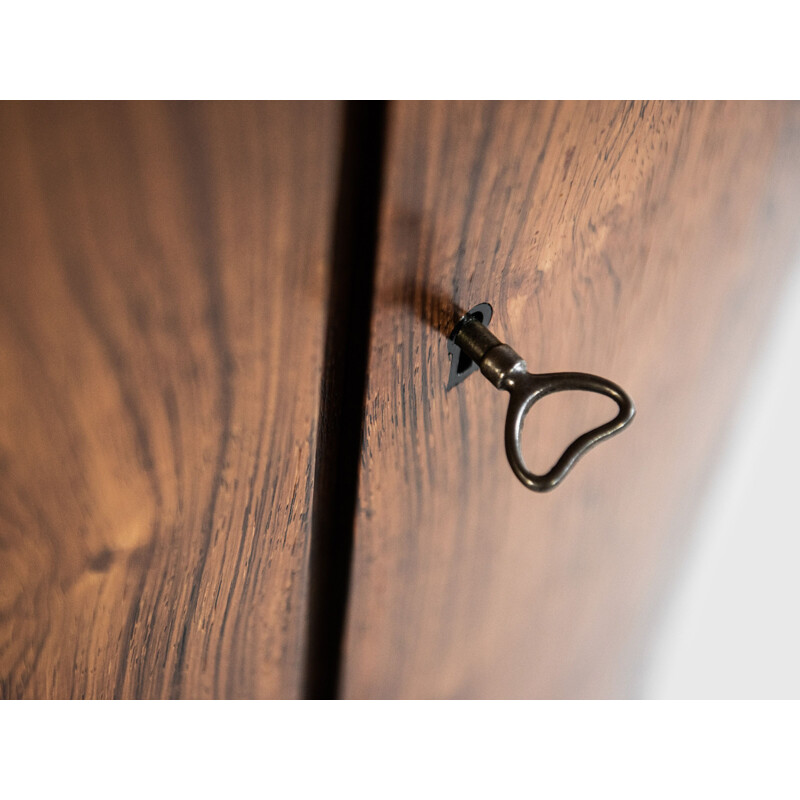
x=194, y=295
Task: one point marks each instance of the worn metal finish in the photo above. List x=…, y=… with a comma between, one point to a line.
x=507, y=370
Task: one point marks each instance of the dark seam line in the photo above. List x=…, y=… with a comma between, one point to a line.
x=342, y=396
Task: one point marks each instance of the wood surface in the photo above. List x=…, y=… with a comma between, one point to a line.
x=163, y=290
x=639, y=241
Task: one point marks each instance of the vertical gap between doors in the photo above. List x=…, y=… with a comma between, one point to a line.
x=343, y=389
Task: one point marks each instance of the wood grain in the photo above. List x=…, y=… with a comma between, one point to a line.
x=163, y=281
x=638, y=241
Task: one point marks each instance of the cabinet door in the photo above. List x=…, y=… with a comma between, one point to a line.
x=163, y=285
x=638, y=241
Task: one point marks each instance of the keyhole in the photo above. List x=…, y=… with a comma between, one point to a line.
x=464, y=363
x=461, y=365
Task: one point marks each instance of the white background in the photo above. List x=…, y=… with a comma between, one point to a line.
x=733, y=626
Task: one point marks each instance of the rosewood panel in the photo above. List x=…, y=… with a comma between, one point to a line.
x=639, y=241
x=163, y=288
